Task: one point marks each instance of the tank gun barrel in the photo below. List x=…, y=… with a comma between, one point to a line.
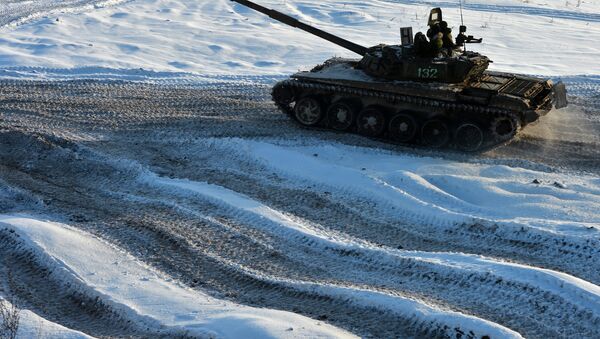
x=288, y=20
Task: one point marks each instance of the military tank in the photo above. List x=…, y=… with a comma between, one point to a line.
x=413, y=93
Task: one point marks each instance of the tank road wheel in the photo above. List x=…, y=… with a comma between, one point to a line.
x=435, y=133
x=341, y=115
x=371, y=122
x=403, y=128
x=505, y=127
x=308, y=111
x=468, y=137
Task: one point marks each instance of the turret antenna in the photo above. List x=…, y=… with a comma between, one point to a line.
x=462, y=21
x=462, y=25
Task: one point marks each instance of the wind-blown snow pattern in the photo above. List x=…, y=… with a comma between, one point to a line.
x=149, y=187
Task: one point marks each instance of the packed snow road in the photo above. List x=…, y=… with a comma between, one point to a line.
x=211, y=186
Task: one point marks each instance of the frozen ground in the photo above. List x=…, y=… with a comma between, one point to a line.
x=149, y=188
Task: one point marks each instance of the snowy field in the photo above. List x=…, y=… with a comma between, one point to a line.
x=221, y=37
x=148, y=187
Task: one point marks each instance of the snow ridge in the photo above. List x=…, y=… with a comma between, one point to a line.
x=104, y=273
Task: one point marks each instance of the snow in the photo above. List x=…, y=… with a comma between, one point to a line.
x=439, y=192
x=145, y=294
x=572, y=288
x=14, y=13
x=541, y=7
x=435, y=192
x=221, y=37
x=417, y=188
x=33, y=326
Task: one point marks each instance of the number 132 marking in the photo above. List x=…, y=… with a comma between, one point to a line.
x=427, y=73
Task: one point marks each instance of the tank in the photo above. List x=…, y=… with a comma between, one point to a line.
x=416, y=92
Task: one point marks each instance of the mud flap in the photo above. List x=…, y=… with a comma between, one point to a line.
x=560, y=95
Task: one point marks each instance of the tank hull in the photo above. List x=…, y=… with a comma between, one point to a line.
x=470, y=116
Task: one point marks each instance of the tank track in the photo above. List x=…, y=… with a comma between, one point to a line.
x=284, y=92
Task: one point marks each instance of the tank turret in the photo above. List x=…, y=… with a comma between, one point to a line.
x=428, y=90
x=408, y=61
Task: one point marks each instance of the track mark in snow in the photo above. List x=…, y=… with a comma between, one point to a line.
x=583, y=294
x=512, y=271
x=536, y=241
x=83, y=149
x=405, y=307
x=438, y=192
x=33, y=326
x=46, y=286
x=145, y=296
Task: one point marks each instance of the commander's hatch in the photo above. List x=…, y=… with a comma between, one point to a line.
x=435, y=16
